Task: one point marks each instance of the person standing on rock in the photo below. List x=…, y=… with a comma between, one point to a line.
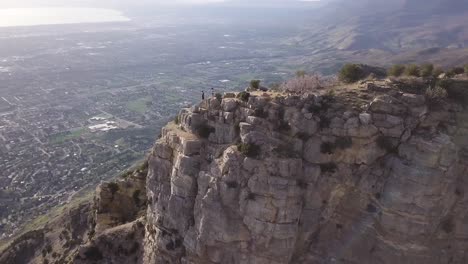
x=212, y=92
x=203, y=95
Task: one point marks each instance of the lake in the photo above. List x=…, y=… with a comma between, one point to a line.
x=12, y=17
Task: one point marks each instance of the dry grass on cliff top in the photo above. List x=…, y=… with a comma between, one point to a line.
x=352, y=95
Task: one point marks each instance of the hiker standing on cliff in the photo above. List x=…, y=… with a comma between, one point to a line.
x=212, y=92
x=203, y=95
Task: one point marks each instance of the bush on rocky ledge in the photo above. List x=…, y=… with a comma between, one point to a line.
x=413, y=70
x=396, y=70
x=351, y=73
x=244, y=96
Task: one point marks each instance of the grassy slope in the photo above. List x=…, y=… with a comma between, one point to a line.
x=84, y=196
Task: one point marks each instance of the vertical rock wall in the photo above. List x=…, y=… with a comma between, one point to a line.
x=363, y=176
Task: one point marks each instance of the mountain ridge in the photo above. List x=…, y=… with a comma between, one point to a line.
x=370, y=172
x=392, y=25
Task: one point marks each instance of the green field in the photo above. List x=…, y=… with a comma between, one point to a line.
x=62, y=137
x=140, y=105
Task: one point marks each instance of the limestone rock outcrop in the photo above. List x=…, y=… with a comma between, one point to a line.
x=356, y=177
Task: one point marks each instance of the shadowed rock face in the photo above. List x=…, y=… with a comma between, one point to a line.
x=371, y=173
x=109, y=229
x=365, y=176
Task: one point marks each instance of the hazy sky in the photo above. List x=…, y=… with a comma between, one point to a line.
x=116, y=3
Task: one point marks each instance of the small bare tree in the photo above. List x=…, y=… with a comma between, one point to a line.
x=307, y=83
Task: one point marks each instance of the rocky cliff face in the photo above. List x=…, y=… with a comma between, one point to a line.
x=366, y=175
x=109, y=229
x=369, y=173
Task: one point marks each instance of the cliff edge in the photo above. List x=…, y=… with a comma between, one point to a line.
x=365, y=173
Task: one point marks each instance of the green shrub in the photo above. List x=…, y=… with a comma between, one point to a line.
x=127, y=174
x=396, y=70
x=458, y=70
x=219, y=96
x=455, y=71
x=427, y=70
x=412, y=70
x=249, y=150
x=301, y=73
x=255, y=84
x=351, y=73
x=456, y=90
x=244, y=96
x=444, y=83
x=205, y=130
x=436, y=94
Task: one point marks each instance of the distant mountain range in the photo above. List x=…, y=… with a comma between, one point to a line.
x=391, y=25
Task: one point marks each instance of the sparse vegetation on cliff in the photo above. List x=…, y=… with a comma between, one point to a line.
x=396, y=70
x=412, y=70
x=436, y=94
x=304, y=83
x=244, y=96
x=351, y=73
x=255, y=84
x=455, y=71
x=427, y=70
x=113, y=187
